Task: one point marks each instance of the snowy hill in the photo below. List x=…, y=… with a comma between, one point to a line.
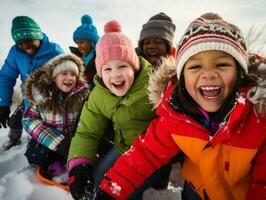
x=18, y=180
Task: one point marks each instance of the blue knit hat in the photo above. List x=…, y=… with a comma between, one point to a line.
x=86, y=31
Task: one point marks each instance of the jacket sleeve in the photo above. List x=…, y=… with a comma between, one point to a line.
x=148, y=153
x=8, y=76
x=257, y=189
x=39, y=131
x=90, y=130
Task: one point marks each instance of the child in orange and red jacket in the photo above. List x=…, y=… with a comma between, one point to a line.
x=214, y=113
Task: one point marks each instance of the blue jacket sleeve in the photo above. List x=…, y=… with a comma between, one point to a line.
x=8, y=76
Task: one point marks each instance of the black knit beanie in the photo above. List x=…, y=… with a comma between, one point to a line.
x=159, y=25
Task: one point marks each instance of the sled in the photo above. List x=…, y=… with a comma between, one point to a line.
x=42, y=175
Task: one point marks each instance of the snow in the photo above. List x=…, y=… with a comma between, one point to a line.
x=18, y=180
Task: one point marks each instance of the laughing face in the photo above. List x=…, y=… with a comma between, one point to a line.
x=30, y=47
x=210, y=77
x=84, y=46
x=153, y=49
x=118, y=76
x=66, y=81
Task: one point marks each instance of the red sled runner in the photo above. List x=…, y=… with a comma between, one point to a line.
x=41, y=174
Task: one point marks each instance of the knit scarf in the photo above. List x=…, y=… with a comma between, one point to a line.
x=88, y=57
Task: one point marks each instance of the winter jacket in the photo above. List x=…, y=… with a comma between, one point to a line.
x=90, y=68
x=18, y=63
x=129, y=114
x=228, y=165
x=50, y=127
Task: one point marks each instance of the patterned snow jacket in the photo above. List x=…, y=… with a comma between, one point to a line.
x=47, y=122
x=130, y=116
x=18, y=63
x=229, y=165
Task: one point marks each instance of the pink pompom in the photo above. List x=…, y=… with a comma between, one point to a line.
x=112, y=26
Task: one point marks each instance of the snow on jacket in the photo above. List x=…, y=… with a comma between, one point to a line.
x=229, y=165
x=130, y=115
x=18, y=63
x=50, y=127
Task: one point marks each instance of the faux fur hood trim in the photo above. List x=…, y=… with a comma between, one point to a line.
x=161, y=76
x=257, y=95
x=40, y=85
x=159, y=79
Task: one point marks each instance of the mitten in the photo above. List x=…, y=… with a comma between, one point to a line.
x=101, y=195
x=81, y=182
x=4, y=116
x=57, y=168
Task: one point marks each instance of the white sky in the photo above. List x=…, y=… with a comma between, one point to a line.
x=59, y=18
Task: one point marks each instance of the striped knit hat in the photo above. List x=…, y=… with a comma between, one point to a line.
x=211, y=32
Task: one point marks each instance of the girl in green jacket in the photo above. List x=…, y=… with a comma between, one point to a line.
x=119, y=98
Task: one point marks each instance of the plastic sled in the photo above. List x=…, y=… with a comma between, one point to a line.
x=42, y=175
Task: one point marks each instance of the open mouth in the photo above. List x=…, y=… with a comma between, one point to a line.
x=119, y=84
x=68, y=84
x=210, y=92
x=153, y=59
x=30, y=50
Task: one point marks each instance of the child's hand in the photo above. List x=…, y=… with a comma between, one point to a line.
x=81, y=182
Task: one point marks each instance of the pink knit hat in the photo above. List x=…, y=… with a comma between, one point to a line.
x=114, y=45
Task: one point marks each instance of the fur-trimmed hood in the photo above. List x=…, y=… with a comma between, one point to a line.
x=39, y=86
x=257, y=68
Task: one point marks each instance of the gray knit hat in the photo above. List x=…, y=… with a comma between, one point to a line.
x=211, y=32
x=159, y=25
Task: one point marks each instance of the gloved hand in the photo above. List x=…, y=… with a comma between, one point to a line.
x=57, y=168
x=81, y=182
x=4, y=116
x=101, y=195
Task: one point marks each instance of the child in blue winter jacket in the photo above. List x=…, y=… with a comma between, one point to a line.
x=56, y=93
x=31, y=51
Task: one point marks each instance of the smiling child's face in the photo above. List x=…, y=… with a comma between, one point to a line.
x=118, y=76
x=210, y=77
x=66, y=81
x=153, y=49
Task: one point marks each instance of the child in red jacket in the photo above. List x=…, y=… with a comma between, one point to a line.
x=214, y=113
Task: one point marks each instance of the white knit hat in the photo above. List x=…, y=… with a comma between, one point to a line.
x=66, y=65
x=211, y=32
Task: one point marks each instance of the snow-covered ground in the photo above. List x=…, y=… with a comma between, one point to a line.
x=18, y=180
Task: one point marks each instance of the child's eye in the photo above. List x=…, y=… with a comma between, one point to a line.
x=223, y=65
x=194, y=67
x=122, y=66
x=107, y=69
x=159, y=42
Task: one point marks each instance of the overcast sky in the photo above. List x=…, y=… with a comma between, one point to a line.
x=59, y=18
